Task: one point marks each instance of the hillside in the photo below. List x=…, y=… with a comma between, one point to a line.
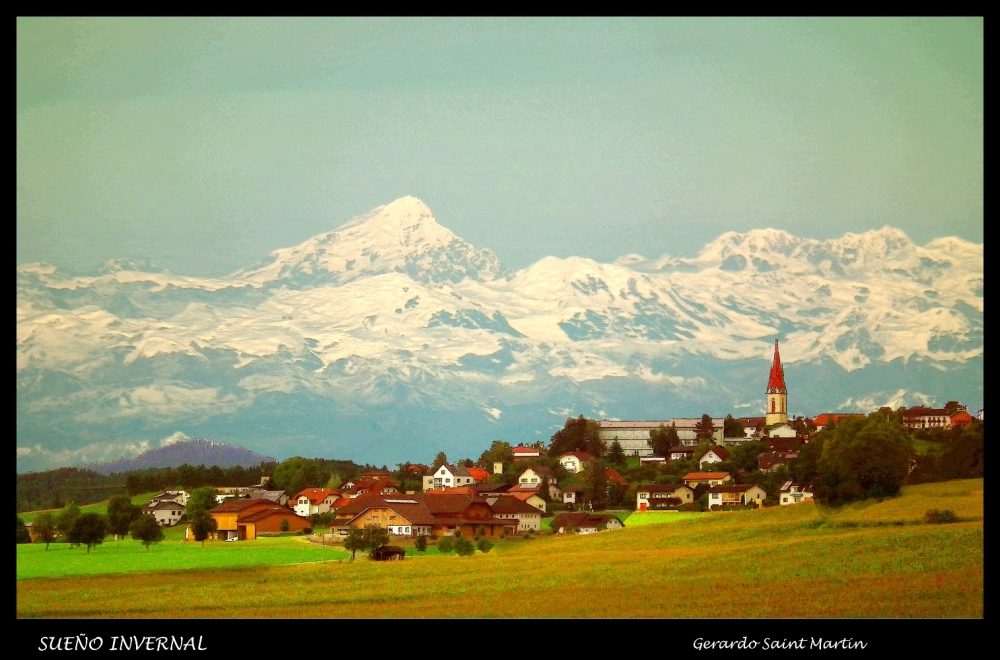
x=189, y=452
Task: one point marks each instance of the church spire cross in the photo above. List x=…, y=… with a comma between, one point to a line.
x=776, y=381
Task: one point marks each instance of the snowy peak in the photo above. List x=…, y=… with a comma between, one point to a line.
x=401, y=237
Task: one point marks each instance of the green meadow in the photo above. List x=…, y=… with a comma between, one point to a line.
x=868, y=560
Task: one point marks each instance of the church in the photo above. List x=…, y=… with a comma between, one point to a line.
x=777, y=393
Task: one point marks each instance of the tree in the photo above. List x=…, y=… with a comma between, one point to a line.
x=704, y=430
x=203, y=525
x=732, y=428
x=421, y=543
x=595, y=486
x=89, y=530
x=121, y=514
x=45, y=528
x=22, y=532
x=578, y=435
x=355, y=541
x=334, y=481
x=663, y=438
x=439, y=460
x=65, y=520
x=284, y=526
x=466, y=462
x=617, y=454
x=201, y=501
x=952, y=407
x=871, y=453
x=445, y=545
x=147, y=530
x=296, y=474
x=374, y=537
x=484, y=545
x=464, y=547
x=499, y=452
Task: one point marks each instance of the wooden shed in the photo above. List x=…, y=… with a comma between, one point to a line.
x=388, y=553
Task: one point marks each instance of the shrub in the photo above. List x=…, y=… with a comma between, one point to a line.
x=464, y=547
x=935, y=517
x=484, y=545
x=445, y=544
x=421, y=543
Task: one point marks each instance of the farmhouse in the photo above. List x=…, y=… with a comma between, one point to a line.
x=732, y=494
x=692, y=479
x=522, y=515
x=166, y=513
x=403, y=516
x=237, y=519
x=536, y=477
x=662, y=496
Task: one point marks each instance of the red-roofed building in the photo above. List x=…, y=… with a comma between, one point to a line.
x=662, y=496
x=575, y=461
x=524, y=517
x=920, y=417
x=522, y=453
x=315, y=500
x=692, y=479
x=824, y=420
x=713, y=455
x=238, y=518
x=478, y=474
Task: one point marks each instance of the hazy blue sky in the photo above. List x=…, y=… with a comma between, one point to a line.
x=203, y=144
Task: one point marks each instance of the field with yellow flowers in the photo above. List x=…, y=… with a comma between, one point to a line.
x=870, y=559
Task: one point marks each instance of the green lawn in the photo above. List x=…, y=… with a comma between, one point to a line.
x=33, y=560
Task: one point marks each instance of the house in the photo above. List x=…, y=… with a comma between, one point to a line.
x=793, y=493
x=733, y=494
x=448, y=476
x=522, y=453
x=400, y=516
x=166, y=512
x=584, y=523
x=315, y=500
x=276, y=496
x=824, y=420
x=237, y=518
x=387, y=553
x=522, y=515
x=662, y=496
x=177, y=496
x=468, y=513
x=784, y=444
x=919, y=417
x=713, y=455
x=572, y=493
x=770, y=461
x=529, y=495
x=680, y=452
x=693, y=479
x=478, y=474
x=753, y=429
x=782, y=431
x=576, y=461
x=652, y=460
x=537, y=476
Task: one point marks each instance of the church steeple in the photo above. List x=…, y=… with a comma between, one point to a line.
x=777, y=393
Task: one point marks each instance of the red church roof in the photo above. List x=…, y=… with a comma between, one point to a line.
x=776, y=382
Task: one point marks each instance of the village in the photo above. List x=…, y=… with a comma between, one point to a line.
x=701, y=464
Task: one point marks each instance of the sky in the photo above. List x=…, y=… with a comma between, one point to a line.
x=202, y=144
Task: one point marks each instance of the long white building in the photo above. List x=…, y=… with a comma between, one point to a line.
x=633, y=436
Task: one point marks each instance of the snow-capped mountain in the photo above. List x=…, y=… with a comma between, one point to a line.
x=390, y=338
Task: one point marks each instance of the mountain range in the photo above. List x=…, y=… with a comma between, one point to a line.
x=194, y=452
x=390, y=339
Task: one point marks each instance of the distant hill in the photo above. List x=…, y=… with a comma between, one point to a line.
x=189, y=452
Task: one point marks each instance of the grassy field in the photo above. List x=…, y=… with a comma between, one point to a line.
x=869, y=560
x=99, y=507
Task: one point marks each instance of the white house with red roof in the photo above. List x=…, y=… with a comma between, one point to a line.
x=713, y=455
x=315, y=500
x=523, y=453
x=692, y=479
